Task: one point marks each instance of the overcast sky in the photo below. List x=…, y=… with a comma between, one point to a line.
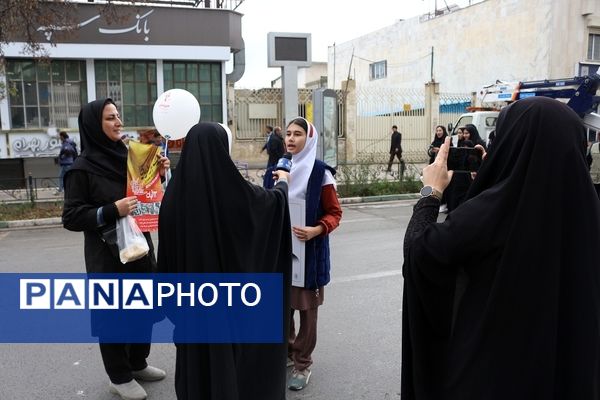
x=329, y=22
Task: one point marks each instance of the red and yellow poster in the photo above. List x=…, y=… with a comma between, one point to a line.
x=143, y=181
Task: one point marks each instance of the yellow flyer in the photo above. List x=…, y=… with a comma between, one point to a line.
x=143, y=181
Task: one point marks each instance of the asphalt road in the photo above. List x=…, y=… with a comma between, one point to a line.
x=358, y=348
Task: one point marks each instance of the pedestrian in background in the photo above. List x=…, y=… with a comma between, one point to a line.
x=95, y=189
x=313, y=182
x=214, y=221
x=66, y=156
x=268, y=134
x=395, y=147
x=502, y=300
x=275, y=149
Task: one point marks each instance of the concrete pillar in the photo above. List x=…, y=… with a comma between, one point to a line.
x=91, y=79
x=432, y=106
x=349, y=87
x=289, y=86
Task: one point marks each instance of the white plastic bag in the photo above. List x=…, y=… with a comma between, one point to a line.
x=131, y=241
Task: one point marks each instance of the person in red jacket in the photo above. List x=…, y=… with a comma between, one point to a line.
x=312, y=181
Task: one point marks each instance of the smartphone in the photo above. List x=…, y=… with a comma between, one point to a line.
x=464, y=159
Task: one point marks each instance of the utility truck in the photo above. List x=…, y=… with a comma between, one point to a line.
x=579, y=93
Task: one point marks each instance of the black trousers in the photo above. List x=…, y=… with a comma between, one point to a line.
x=120, y=359
x=392, y=155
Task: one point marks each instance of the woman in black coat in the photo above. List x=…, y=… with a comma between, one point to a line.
x=502, y=300
x=95, y=197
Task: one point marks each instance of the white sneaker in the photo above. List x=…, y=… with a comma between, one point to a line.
x=149, y=374
x=299, y=379
x=444, y=209
x=129, y=391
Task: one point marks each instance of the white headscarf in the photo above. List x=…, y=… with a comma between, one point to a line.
x=302, y=165
x=229, y=135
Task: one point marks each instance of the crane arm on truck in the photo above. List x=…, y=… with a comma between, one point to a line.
x=579, y=93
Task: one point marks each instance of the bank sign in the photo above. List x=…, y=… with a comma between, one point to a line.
x=148, y=26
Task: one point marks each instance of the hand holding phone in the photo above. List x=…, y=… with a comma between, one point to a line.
x=464, y=159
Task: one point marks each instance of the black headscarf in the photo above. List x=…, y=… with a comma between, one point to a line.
x=212, y=220
x=438, y=141
x=523, y=319
x=99, y=154
x=474, y=135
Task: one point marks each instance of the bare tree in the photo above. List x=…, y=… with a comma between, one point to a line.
x=20, y=20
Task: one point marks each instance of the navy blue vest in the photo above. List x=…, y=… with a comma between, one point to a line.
x=316, y=257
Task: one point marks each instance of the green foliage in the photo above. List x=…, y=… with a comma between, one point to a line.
x=368, y=178
x=28, y=210
x=379, y=188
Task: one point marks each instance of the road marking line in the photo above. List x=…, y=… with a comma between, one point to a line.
x=362, y=277
x=347, y=221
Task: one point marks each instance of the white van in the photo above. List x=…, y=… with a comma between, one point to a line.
x=485, y=121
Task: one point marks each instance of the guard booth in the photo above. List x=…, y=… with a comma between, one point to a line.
x=325, y=119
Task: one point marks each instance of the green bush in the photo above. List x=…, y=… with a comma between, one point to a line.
x=10, y=212
x=378, y=188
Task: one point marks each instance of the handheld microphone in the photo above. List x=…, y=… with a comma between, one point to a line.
x=284, y=163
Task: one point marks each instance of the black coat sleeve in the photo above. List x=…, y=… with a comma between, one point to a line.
x=79, y=211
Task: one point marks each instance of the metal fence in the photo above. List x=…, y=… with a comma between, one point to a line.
x=256, y=108
x=29, y=189
x=452, y=105
x=380, y=108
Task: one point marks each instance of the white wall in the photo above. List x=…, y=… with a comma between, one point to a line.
x=496, y=39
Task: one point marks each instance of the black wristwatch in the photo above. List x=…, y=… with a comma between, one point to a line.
x=427, y=191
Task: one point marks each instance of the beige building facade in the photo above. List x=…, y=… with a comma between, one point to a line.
x=510, y=40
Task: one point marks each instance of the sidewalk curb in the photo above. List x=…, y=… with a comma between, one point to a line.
x=31, y=223
x=57, y=221
x=374, y=199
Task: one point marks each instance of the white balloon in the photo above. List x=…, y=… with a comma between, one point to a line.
x=175, y=112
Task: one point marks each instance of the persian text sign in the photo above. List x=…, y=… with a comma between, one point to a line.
x=143, y=181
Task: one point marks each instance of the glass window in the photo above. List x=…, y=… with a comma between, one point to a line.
x=151, y=72
x=44, y=94
x=594, y=47
x=192, y=73
x=43, y=72
x=28, y=68
x=179, y=72
x=127, y=71
x=203, y=80
x=205, y=72
x=141, y=71
x=58, y=70
x=378, y=70
x=72, y=70
x=132, y=86
x=30, y=89
x=114, y=70
x=100, y=70
x=141, y=92
x=128, y=93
